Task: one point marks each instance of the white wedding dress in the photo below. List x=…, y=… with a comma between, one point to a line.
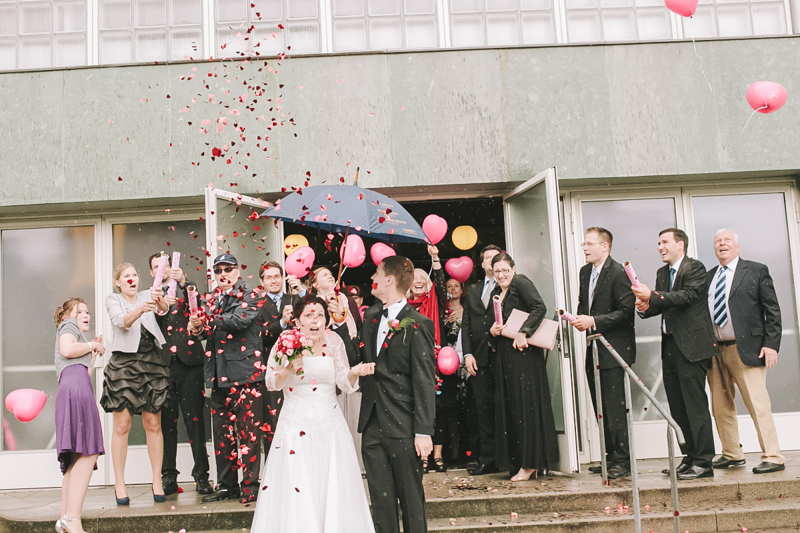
x=312, y=480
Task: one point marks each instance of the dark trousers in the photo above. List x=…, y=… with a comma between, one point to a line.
x=186, y=393
x=484, y=388
x=394, y=472
x=236, y=421
x=685, y=384
x=271, y=409
x=615, y=417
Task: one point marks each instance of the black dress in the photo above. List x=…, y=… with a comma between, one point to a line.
x=526, y=430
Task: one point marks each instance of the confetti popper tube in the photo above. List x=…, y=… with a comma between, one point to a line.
x=162, y=267
x=498, y=309
x=567, y=316
x=191, y=293
x=173, y=284
x=632, y=275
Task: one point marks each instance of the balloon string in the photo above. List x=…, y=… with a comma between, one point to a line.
x=745, y=126
x=694, y=44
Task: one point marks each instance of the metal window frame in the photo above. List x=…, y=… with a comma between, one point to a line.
x=441, y=36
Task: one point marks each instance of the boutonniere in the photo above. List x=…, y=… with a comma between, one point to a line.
x=396, y=326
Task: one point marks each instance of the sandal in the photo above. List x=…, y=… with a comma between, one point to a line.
x=424, y=466
x=66, y=525
x=518, y=477
x=440, y=466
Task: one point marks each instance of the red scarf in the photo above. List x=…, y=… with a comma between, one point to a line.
x=428, y=305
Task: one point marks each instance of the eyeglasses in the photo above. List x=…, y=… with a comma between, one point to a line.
x=502, y=271
x=227, y=270
x=585, y=244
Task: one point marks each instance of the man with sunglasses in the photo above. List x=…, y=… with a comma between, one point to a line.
x=234, y=371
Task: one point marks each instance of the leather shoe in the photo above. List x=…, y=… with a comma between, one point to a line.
x=249, y=498
x=619, y=471
x=483, y=469
x=170, y=486
x=203, y=486
x=683, y=467
x=724, y=462
x=696, y=472
x=221, y=494
x=765, y=468
x=597, y=469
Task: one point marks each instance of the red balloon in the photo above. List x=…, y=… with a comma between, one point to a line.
x=766, y=96
x=354, y=253
x=380, y=251
x=26, y=404
x=435, y=228
x=448, y=361
x=684, y=8
x=459, y=268
x=300, y=262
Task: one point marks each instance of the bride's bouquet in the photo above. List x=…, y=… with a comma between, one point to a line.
x=291, y=343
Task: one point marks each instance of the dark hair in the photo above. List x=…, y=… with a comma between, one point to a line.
x=489, y=248
x=309, y=299
x=680, y=236
x=355, y=291
x=268, y=265
x=150, y=261
x=63, y=310
x=503, y=256
x=402, y=269
x=603, y=233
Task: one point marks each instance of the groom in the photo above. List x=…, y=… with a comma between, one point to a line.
x=397, y=403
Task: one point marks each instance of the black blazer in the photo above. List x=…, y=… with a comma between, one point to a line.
x=174, y=328
x=613, y=309
x=754, y=310
x=522, y=295
x=475, y=324
x=685, y=309
x=402, y=391
x=269, y=318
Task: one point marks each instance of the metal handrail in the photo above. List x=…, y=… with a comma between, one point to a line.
x=673, y=431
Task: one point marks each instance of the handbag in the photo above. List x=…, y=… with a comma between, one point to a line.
x=544, y=337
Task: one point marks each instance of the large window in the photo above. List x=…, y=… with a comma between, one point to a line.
x=592, y=21
x=736, y=18
x=384, y=24
x=501, y=22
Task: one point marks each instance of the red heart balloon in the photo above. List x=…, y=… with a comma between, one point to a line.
x=766, y=96
x=300, y=262
x=459, y=268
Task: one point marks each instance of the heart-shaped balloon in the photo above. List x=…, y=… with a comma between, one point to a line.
x=459, y=268
x=26, y=404
x=684, y=8
x=300, y=262
x=354, y=253
x=435, y=228
x=766, y=96
x=380, y=251
x=447, y=361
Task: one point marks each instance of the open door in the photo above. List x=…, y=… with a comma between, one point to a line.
x=232, y=226
x=534, y=237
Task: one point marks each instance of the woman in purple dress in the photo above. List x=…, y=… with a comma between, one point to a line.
x=79, y=437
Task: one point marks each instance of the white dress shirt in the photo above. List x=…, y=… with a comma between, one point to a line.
x=724, y=333
x=383, y=325
x=677, y=267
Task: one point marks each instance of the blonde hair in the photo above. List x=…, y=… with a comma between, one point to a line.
x=312, y=279
x=63, y=311
x=428, y=282
x=119, y=270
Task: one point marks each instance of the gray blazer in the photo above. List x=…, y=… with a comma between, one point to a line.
x=127, y=339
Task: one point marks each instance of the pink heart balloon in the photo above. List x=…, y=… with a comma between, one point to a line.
x=684, y=8
x=766, y=96
x=435, y=228
x=354, y=252
x=447, y=361
x=380, y=251
x=459, y=268
x=300, y=262
x=26, y=404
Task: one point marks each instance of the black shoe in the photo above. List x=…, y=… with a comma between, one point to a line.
x=204, y=487
x=121, y=501
x=221, y=494
x=425, y=466
x=724, y=462
x=696, y=472
x=683, y=467
x=766, y=468
x=249, y=498
x=170, y=486
x=439, y=465
x=596, y=469
x=483, y=469
x=619, y=471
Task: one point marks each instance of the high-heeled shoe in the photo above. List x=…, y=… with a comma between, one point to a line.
x=121, y=501
x=60, y=524
x=159, y=498
x=518, y=477
x=66, y=527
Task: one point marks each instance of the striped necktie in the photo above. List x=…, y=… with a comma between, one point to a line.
x=720, y=298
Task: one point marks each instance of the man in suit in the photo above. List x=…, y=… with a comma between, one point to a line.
x=398, y=401
x=234, y=369
x=185, y=361
x=747, y=324
x=479, y=359
x=687, y=347
x=606, y=306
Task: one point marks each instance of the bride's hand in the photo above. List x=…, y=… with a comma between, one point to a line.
x=296, y=365
x=363, y=369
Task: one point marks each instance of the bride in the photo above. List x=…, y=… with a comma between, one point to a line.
x=312, y=481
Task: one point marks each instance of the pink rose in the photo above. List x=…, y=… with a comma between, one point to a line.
x=395, y=323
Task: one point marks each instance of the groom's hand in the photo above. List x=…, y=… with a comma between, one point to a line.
x=424, y=445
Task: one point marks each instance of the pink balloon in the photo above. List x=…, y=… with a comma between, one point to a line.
x=459, y=268
x=354, y=252
x=435, y=228
x=766, y=96
x=300, y=262
x=26, y=404
x=447, y=361
x=380, y=251
x=684, y=8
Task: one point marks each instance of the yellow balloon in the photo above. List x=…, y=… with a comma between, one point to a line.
x=293, y=242
x=465, y=237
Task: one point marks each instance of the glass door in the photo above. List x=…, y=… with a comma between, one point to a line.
x=534, y=237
